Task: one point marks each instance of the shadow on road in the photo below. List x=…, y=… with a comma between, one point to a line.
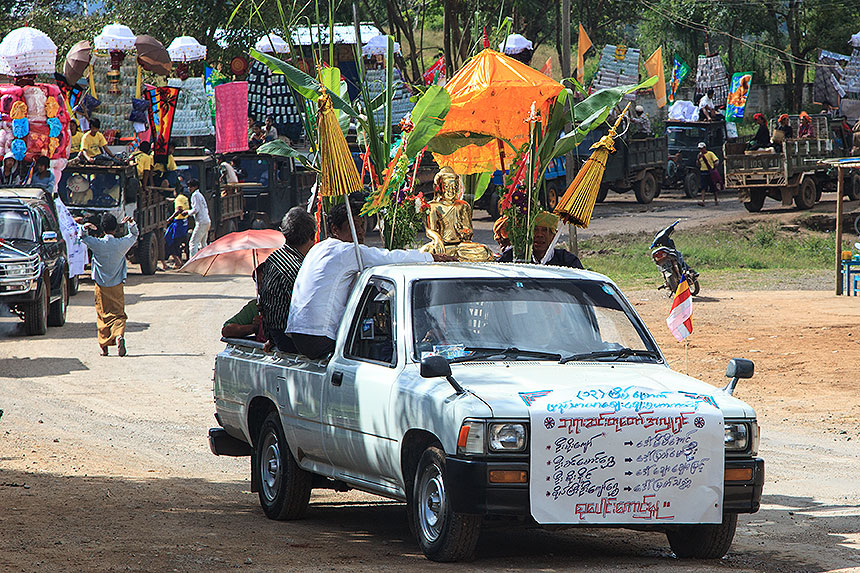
x=39, y=367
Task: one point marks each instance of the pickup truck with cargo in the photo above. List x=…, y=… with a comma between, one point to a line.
x=492, y=391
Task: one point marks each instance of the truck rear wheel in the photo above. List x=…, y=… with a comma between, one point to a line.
x=36, y=313
x=147, y=253
x=442, y=534
x=756, y=201
x=493, y=205
x=806, y=194
x=646, y=188
x=285, y=488
x=710, y=541
x=691, y=184
x=552, y=196
x=852, y=187
x=57, y=315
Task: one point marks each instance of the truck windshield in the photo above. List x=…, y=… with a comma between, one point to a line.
x=548, y=319
x=16, y=224
x=257, y=170
x=680, y=137
x=89, y=189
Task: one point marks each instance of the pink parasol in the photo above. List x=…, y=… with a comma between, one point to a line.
x=236, y=253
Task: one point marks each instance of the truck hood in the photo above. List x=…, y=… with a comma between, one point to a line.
x=23, y=245
x=499, y=384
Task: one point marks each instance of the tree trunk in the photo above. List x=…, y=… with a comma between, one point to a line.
x=446, y=40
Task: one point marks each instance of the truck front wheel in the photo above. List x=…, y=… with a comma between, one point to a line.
x=36, y=313
x=710, y=541
x=756, y=201
x=442, y=534
x=646, y=189
x=147, y=253
x=691, y=184
x=285, y=488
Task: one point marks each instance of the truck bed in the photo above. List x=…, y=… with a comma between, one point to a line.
x=777, y=168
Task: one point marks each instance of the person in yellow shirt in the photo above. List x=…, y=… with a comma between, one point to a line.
x=176, y=233
x=75, y=143
x=167, y=171
x=94, y=145
x=142, y=160
x=707, y=164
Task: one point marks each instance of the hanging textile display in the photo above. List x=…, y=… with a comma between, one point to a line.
x=827, y=88
x=270, y=94
x=680, y=70
x=400, y=104
x=162, y=107
x=36, y=122
x=213, y=78
x=192, y=116
x=618, y=66
x=231, y=117
x=738, y=95
x=711, y=75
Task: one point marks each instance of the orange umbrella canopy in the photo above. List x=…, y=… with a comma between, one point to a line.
x=492, y=96
x=235, y=254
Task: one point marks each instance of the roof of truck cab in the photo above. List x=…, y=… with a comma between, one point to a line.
x=417, y=271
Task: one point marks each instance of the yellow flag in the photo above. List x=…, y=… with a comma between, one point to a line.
x=584, y=44
x=654, y=67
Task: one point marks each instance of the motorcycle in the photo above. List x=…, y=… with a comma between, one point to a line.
x=671, y=262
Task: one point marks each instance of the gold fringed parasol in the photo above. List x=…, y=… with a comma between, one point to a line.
x=338, y=175
x=577, y=204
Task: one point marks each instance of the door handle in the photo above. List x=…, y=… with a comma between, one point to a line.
x=337, y=379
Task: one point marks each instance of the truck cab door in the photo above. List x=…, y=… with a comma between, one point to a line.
x=357, y=419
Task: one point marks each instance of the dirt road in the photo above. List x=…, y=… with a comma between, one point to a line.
x=104, y=464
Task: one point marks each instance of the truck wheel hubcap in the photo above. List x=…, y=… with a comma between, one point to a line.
x=270, y=467
x=431, y=510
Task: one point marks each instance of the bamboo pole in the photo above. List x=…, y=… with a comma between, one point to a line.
x=840, y=190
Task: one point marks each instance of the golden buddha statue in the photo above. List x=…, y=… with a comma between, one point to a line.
x=449, y=223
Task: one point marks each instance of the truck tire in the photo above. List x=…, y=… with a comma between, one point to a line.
x=442, y=534
x=553, y=194
x=493, y=205
x=147, y=253
x=711, y=541
x=57, y=314
x=74, y=285
x=646, y=188
x=602, y=193
x=36, y=313
x=806, y=194
x=852, y=187
x=691, y=184
x=285, y=488
x=756, y=201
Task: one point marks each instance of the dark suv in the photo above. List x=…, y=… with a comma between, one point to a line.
x=34, y=276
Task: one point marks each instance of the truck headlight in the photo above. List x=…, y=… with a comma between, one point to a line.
x=737, y=436
x=507, y=437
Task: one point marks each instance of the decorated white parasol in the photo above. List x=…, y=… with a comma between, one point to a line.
x=378, y=46
x=272, y=43
x=186, y=49
x=515, y=43
x=115, y=37
x=27, y=51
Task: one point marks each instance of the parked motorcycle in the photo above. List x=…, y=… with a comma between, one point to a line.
x=671, y=262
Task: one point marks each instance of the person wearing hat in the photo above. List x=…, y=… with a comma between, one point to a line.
x=782, y=131
x=500, y=234
x=805, y=131
x=641, y=123
x=761, y=140
x=543, y=251
x=707, y=164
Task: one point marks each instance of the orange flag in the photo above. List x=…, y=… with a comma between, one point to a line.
x=547, y=67
x=654, y=67
x=584, y=44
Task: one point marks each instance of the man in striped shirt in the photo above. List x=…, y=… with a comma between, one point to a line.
x=277, y=274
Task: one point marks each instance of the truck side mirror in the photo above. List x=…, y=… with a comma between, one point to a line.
x=49, y=237
x=738, y=368
x=435, y=367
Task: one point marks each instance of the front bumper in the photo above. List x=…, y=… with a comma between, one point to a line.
x=470, y=491
x=18, y=292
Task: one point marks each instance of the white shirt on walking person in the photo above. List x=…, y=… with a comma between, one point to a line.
x=199, y=209
x=202, y=222
x=325, y=279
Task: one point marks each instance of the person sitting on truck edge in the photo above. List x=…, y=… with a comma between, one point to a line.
x=641, y=123
x=142, y=160
x=75, y=142
x=270, y=130
x=246, y=322
x=10, y=174
x=805, y=131
x=241, y=172
x=707, y=110
x=167, y=171
x=43, y=176
x=761, y=140
x=546, y=226
x=325, y=279
x=200, y=211
x=94, y=146
x=706, y=161
x=258, y=137
x=782, y=131
x=109, y=274
x=277, y=275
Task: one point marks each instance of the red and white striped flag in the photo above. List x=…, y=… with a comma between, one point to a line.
x=680, y=319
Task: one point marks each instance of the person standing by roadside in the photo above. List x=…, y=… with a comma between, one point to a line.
x=707, y=164
x=200, y=211
x=177, y=230
x=109, y=274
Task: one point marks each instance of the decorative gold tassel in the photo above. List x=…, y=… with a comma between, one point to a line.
x=577, y=204
x=338, y=175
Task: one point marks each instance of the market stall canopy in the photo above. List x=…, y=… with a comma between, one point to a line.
x=186, y=49
x=115, y=37
x=77, y=61
x=515, y=43
x=272, y=43
x=378, y=46
x=152, y=56
x=27, y=51
x=491, y=97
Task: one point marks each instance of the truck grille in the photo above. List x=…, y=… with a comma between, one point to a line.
x=18, y=272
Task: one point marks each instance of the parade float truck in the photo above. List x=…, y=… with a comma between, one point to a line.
x=491, y=391
x=793, y=173
x=92, y=190
x=684, y=138
x=225, y=202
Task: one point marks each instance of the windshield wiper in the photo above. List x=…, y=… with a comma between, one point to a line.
x=512, y=352
x=615, y=354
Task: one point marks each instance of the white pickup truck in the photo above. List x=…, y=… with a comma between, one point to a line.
x=452, y=384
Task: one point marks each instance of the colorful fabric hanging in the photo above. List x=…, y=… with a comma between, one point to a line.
x=162, y=107
x=680, y=70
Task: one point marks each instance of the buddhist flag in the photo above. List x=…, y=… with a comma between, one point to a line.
x=435, y=74
x=654, y=67
x=680, y=319
x=679, y=72
x=547, y=68
x=584, y=44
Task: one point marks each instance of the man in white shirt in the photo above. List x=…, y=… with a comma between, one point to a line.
x=202, y=222
x=325, y=279
x=707, y=111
